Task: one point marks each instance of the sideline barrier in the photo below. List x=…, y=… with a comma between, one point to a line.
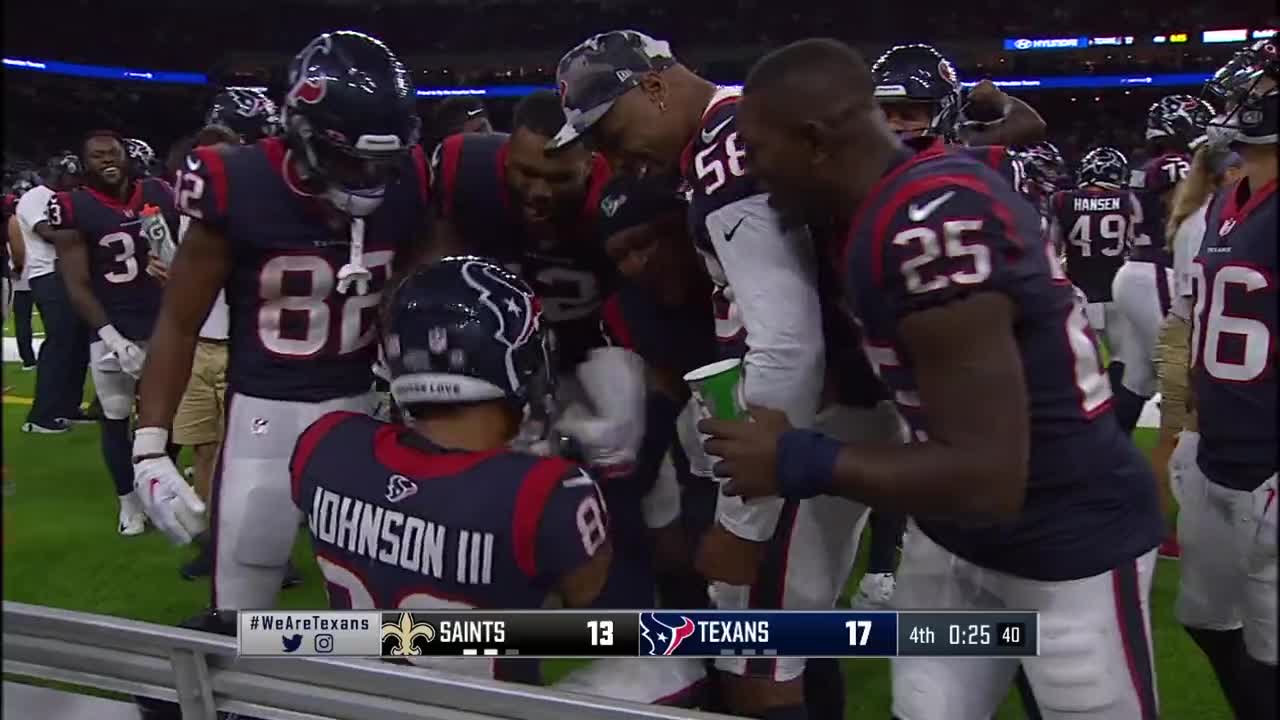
x=201, y=672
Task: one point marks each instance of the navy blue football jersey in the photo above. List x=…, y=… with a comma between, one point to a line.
x=714, y=166
x=119, y=249
x=674, y=339
x=1094, y=227
x=1233, y=343
x=293, y=335
x=1090, y=498
x=1149, y=184
x=397, y=522
x=570, y=273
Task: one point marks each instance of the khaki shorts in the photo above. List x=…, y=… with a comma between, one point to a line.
x=199, y=418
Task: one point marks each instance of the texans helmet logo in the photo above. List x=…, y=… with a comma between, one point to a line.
x=309, y=90
x=664, y=639
x=309, y=87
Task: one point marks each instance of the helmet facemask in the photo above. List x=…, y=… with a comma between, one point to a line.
x=1246, y=87
x=354, y=176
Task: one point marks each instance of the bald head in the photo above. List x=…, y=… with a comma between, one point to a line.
x=816, y=76
x=813, y=133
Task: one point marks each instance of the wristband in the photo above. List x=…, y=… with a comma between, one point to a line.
x=150, y=442
x=806, y=463
x=111, y=336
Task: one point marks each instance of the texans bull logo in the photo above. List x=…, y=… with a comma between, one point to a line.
x=664, y=639
x=309, y=86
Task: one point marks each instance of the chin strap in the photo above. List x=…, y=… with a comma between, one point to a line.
x=354, y=272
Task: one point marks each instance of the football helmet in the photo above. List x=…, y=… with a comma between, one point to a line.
x=1044, y=168
x=920, y=74
x=1250, y=113
x=247, y=112
x=1182, y=117
x=21, y=186
x=466, y=330
x=142, y=159
x=65, y=164
x=1105, y=167
x=349, y=118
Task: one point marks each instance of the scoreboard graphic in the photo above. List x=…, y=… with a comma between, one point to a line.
x=656, y=633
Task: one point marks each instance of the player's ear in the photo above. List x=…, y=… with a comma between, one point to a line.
x=816, y=137
x=654, y=88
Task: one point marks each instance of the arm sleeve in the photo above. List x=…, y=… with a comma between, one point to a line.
x=201, y=186
x=773, y=276
x=1186, y=245
x=772, y=273
x=573, y=524
x=968, y=242
x=61, y=212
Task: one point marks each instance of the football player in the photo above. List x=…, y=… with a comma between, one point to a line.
x=464, y=521
x=63, y=359
x=1045, y=171
x=247, y=112
x=243, y=116
x=1091, y=225
x=17, y=253
x=1142, y=287
x=1023, y=490
x=104, y=235
x=662, y=311
x=1227, y=518
x=504, y=196
x=626, y=95
x=920, y=94
x=303, y=231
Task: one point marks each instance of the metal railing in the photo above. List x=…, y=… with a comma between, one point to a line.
x=202, y=673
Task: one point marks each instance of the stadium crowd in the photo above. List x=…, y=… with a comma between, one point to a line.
x=356, y=309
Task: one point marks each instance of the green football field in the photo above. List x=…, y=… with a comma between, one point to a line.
x=61, y=549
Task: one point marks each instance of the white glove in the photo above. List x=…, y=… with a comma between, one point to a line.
x=127, y=353
x=171, y=504
x=613, y=380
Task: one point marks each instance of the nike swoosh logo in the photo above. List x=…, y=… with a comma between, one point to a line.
x=473, y=113
x=579, y=481
x=728, y=234
x=710, y=135
x=917, y=213
x=193, y=163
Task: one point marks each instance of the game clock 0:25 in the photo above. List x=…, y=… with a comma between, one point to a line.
x=969, y=634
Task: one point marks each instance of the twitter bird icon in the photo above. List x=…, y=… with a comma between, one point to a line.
x=291, y=643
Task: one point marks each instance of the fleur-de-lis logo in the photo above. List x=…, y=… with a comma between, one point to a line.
x=406, y=637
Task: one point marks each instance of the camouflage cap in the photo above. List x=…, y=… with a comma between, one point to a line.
x=598, y=71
